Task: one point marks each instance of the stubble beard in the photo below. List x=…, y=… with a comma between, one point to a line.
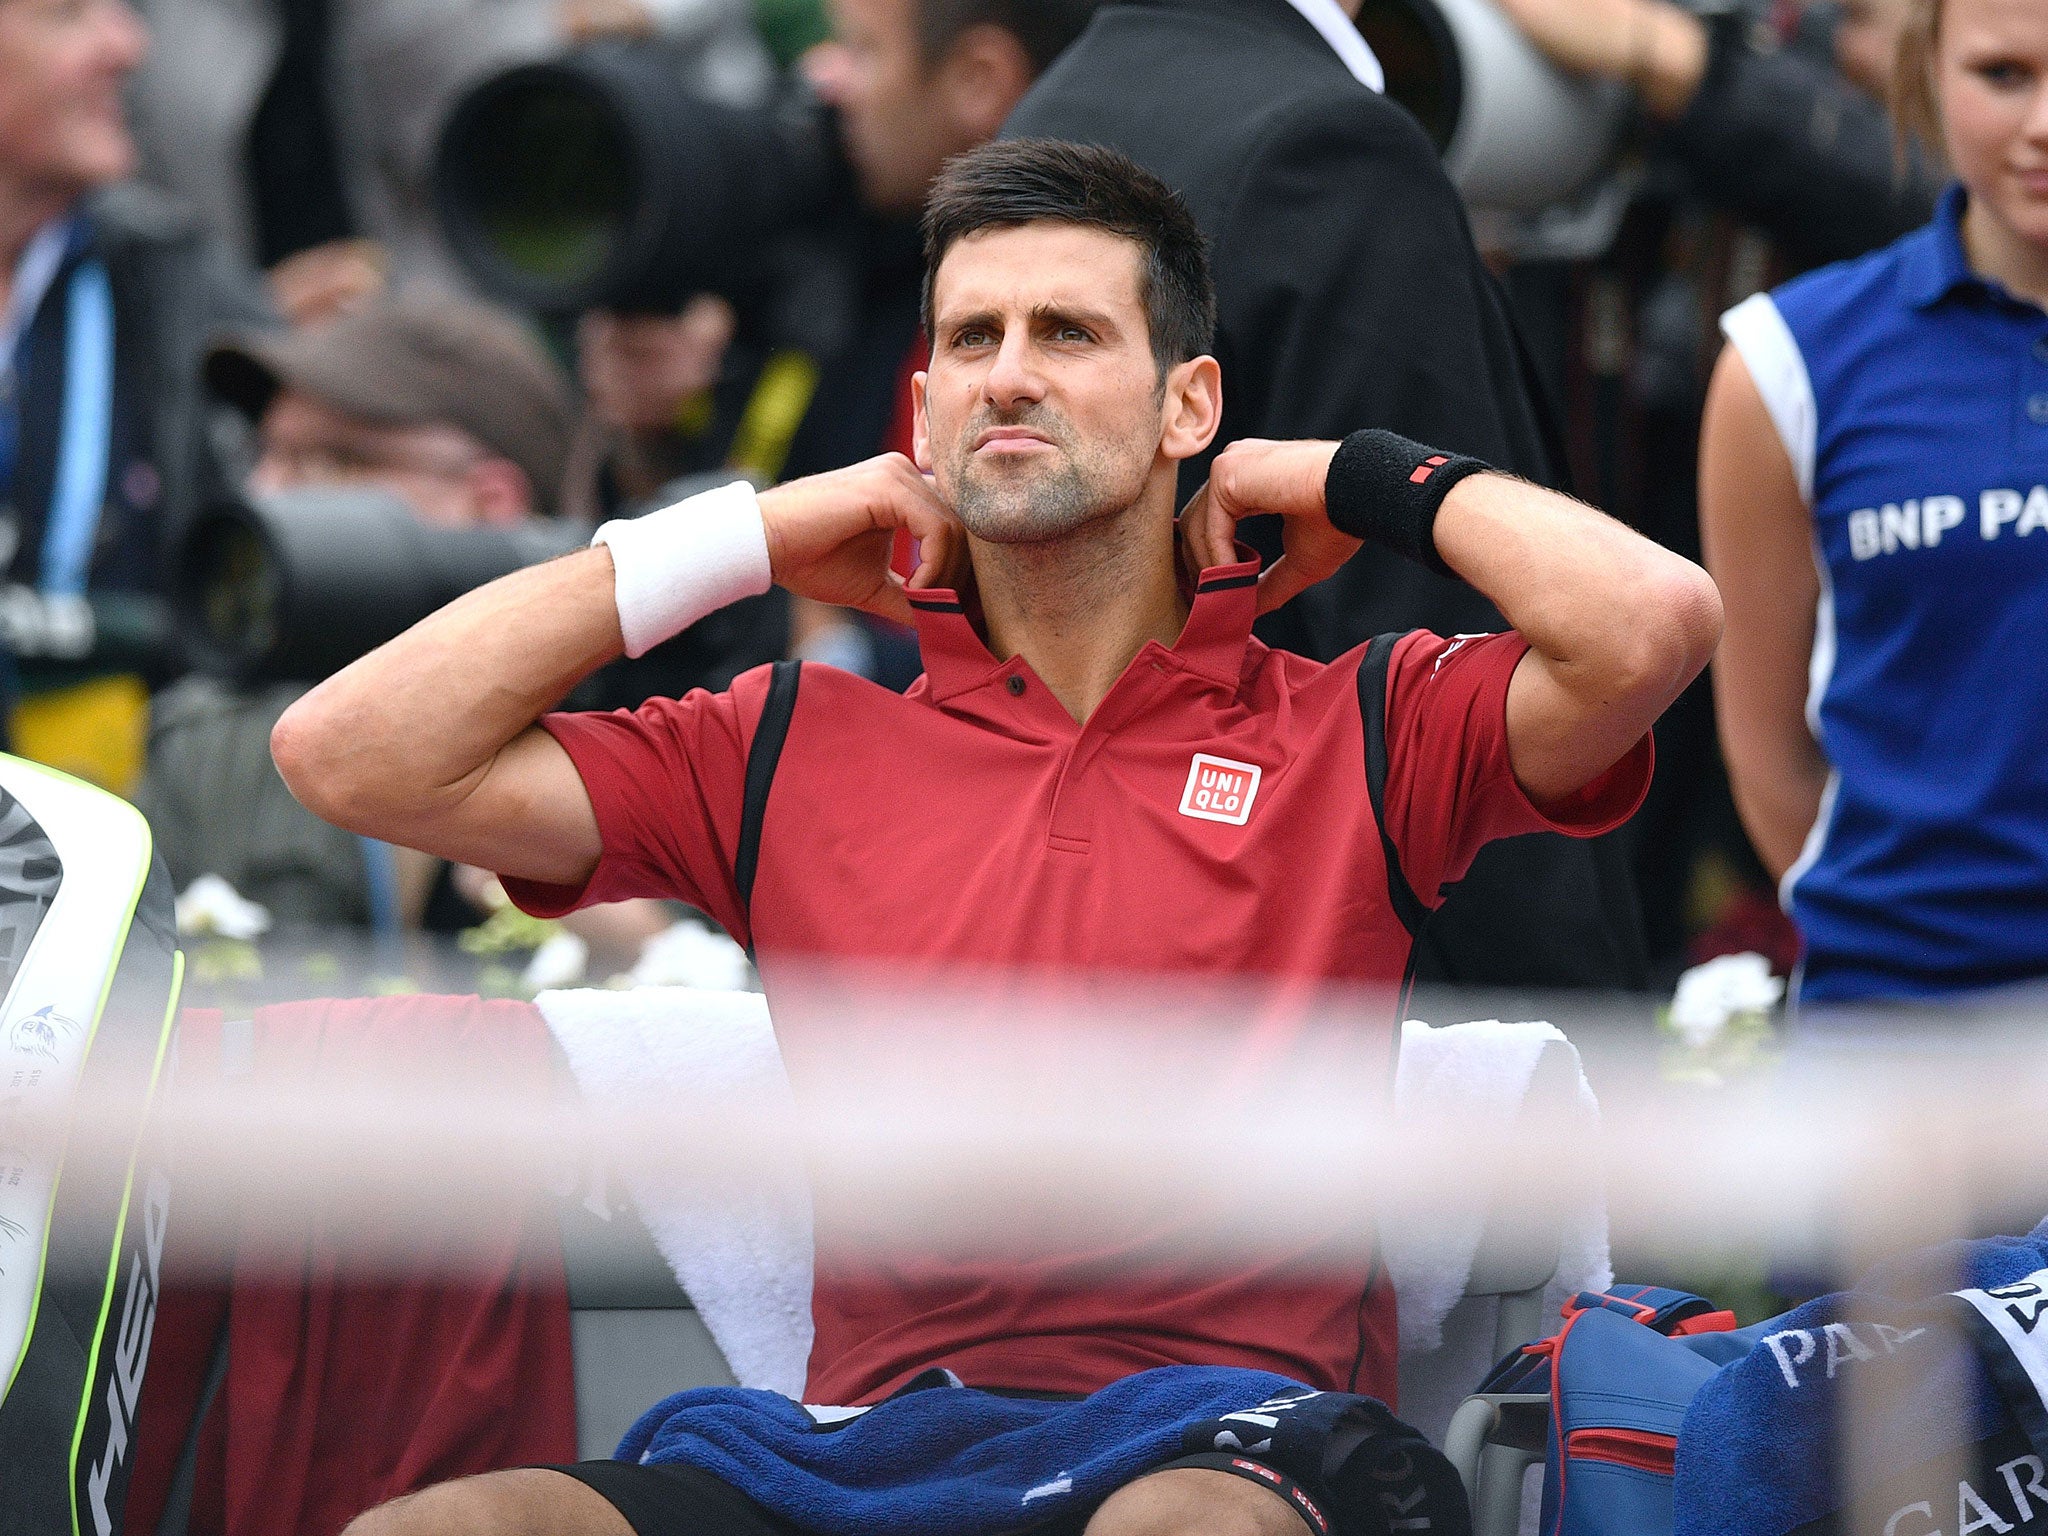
x=1031, y=503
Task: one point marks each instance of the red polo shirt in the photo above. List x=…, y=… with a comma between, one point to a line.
x=1211, y=817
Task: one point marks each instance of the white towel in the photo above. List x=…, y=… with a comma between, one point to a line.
x=745, y=1258
x=746, y=1262
x=1446, y=1348
x=1484, y=1065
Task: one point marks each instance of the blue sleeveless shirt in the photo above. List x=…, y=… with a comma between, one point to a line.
x=1912, y=396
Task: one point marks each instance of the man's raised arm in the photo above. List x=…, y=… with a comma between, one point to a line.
x=1617, y=626
x=430, y=741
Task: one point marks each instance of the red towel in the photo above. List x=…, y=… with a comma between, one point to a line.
x=349, y=1382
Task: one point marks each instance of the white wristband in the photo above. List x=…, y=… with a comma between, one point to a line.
x=672, y=567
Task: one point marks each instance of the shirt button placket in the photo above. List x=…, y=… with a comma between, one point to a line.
x=2032, y=426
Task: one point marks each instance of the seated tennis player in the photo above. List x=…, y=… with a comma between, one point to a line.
x=1101, y=771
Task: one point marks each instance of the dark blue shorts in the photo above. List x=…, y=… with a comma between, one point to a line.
x=940, y=1457
x=673, y=1499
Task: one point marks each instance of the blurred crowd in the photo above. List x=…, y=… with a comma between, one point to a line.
x=230, y=280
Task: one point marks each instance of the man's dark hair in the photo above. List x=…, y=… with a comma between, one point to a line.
x=1021, y=181
x=1043, y=27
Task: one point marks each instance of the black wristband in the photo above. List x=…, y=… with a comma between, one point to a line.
x=1386, y=489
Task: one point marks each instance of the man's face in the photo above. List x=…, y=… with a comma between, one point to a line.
x=1043, y=408
x=898, y=134
x=62, y=64
x=434, y=467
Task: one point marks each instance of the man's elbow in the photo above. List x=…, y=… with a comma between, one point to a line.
x=308, y=745
x=1671, y=627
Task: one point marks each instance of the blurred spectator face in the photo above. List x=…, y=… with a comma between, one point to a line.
x=906, y=115
x=1991, y=78
x=449, y=405
x=448, y=476
x=62, y=65
x=1866, y=41
x=1041, y=409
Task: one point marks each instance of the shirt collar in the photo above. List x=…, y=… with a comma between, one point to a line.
x=1342, y=34
x=1934, y=265
x=1211, y=645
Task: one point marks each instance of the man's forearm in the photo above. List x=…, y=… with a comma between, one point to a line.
x=396, y=737
x=1616, y=625
x=1607, y=608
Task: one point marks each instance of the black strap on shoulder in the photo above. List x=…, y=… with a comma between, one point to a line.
x=1408, y=907
x=762, y=757
x=1372, y=707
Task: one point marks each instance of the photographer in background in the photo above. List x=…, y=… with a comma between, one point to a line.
x=446, y=404
x=107, y=295
x=455, y=409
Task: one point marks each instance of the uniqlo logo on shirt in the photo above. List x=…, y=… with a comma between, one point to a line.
x=1219, y=790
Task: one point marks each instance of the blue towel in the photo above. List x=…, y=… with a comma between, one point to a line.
x=1950, y=1370
x=939, y=1457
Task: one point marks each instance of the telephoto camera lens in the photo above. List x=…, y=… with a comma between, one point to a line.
x=299, y=584
x=1516, y=133
x=598, y=180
